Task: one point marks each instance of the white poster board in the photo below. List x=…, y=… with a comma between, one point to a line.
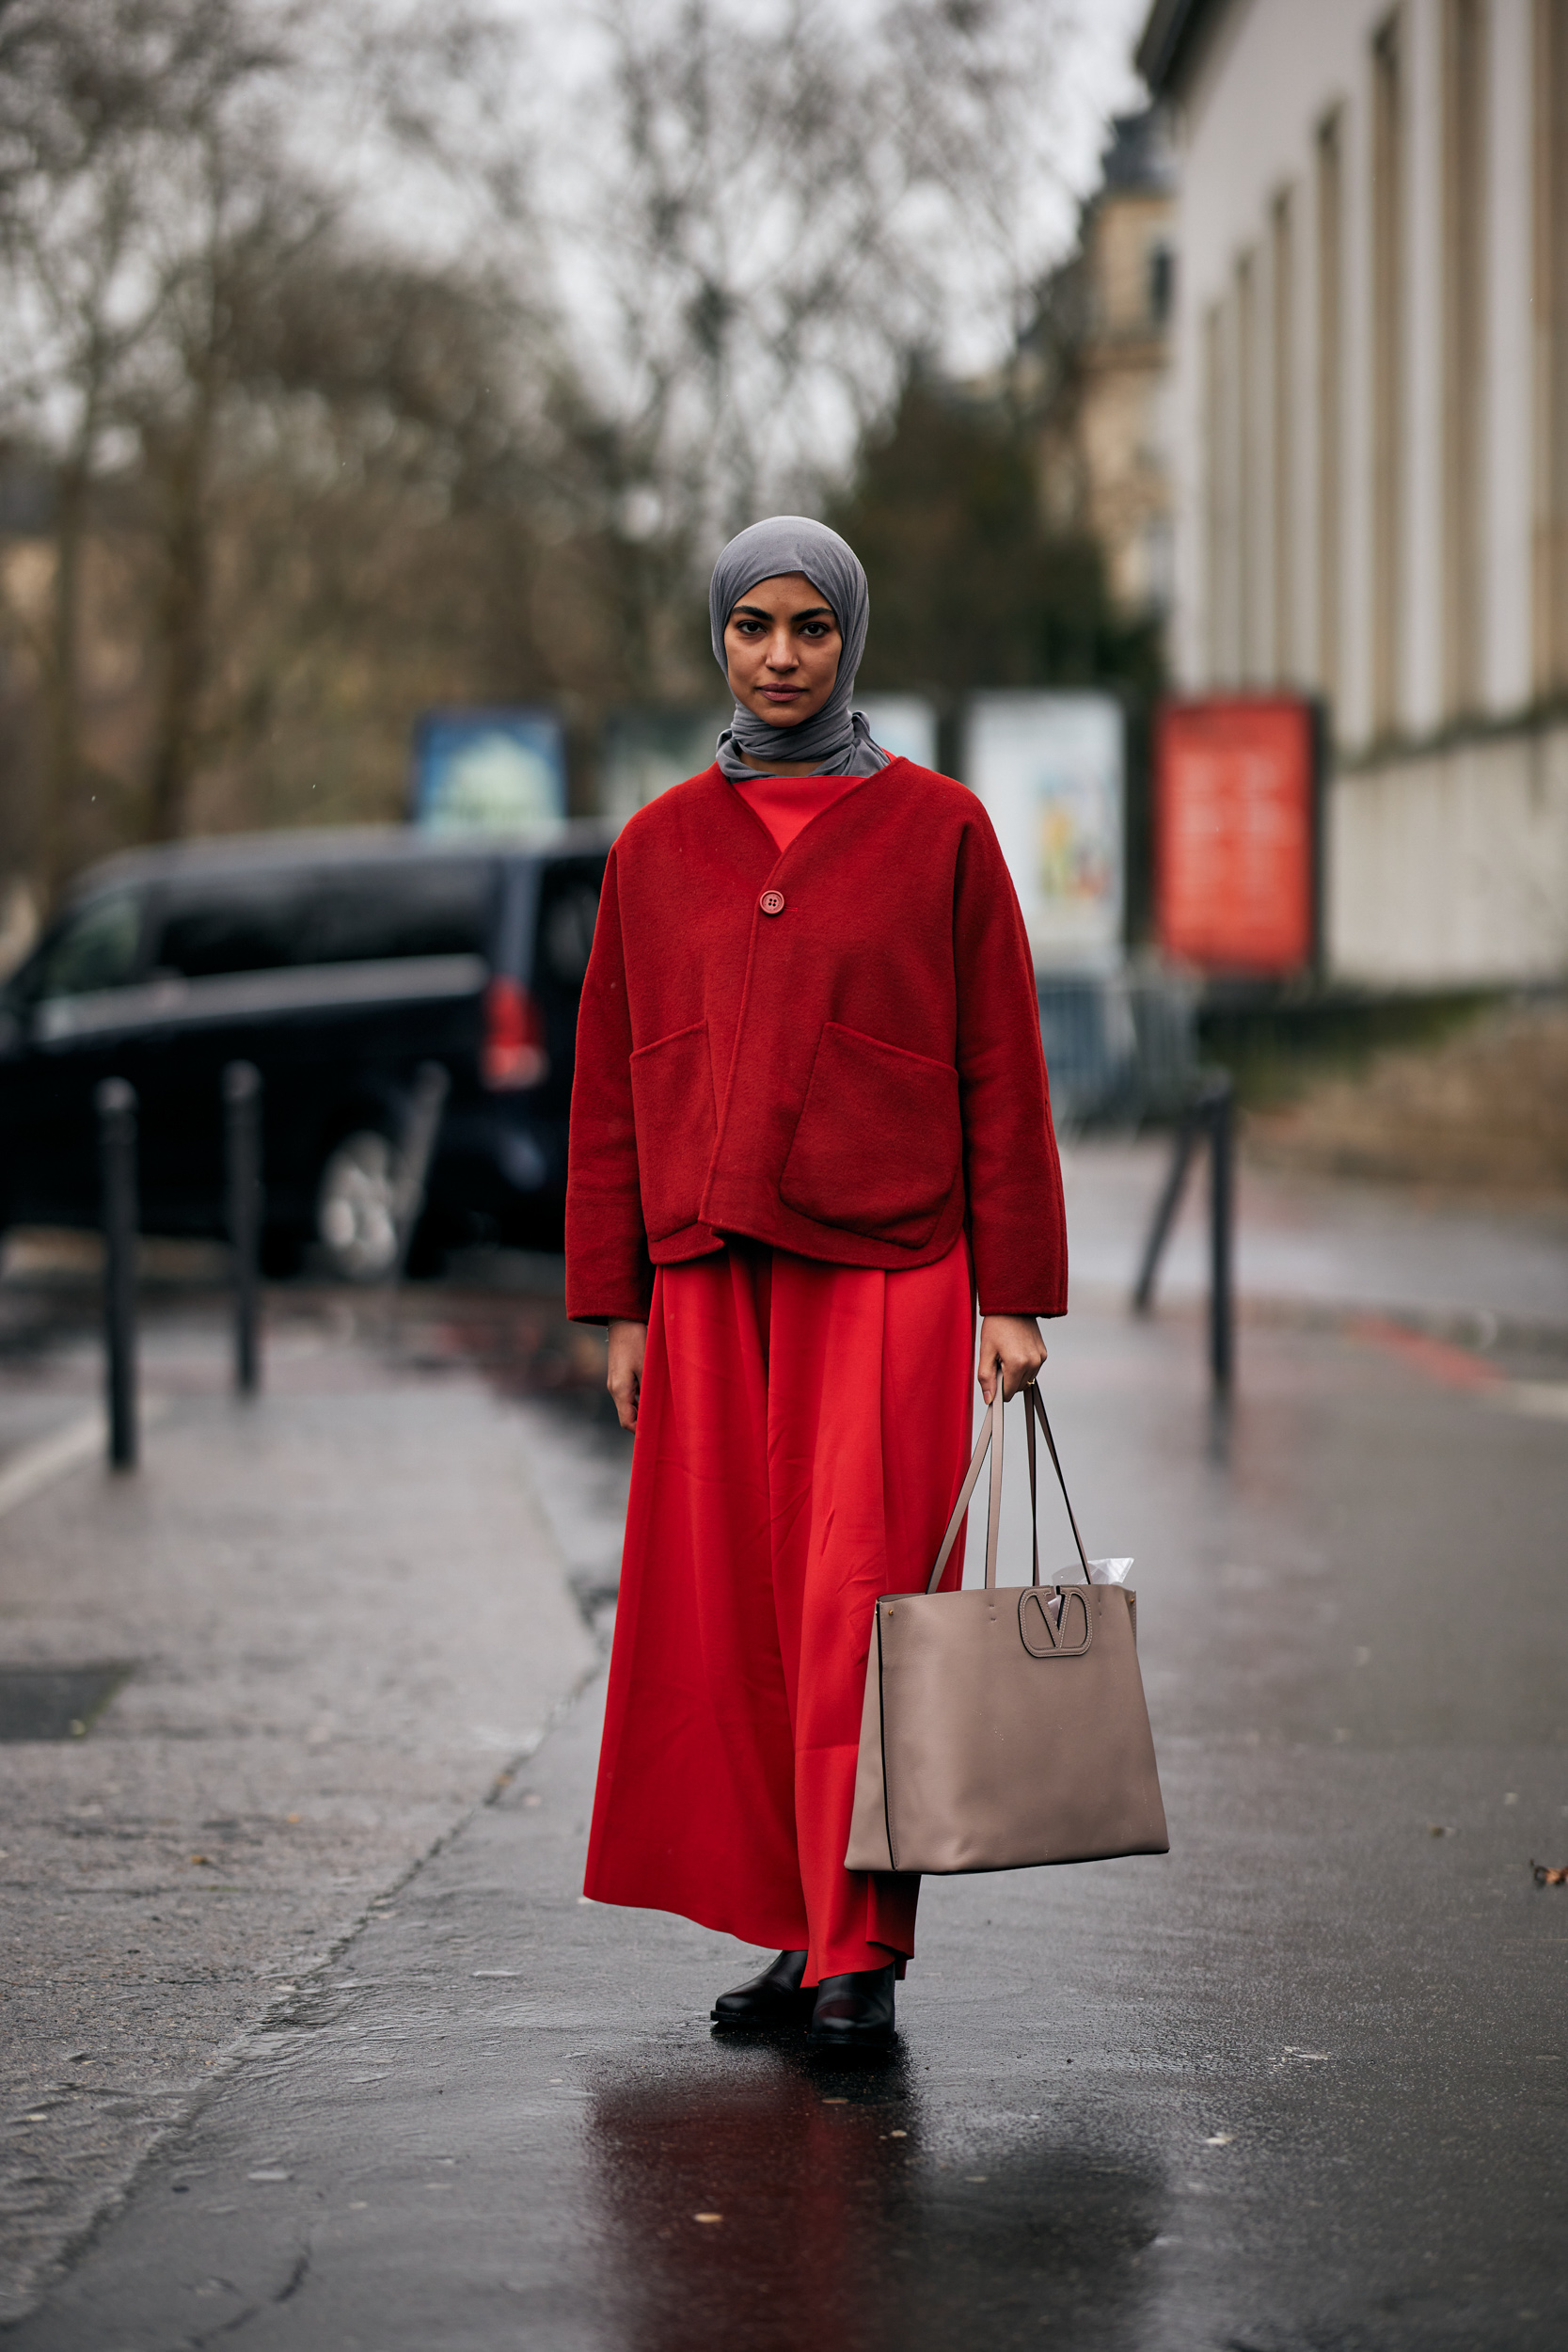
x=1050, y=768
x=644, y=752
x=904, y=724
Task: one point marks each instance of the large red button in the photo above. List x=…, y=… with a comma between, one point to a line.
x=772, y=902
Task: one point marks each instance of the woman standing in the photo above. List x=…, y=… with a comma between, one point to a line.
x=810, y=1121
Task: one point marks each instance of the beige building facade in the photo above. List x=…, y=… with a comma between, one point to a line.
x=1369, y=434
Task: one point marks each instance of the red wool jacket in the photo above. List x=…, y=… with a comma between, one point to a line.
x=836, y=1050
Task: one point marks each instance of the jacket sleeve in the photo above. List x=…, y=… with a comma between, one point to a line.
x=1012, y=1176
x=608, y=1277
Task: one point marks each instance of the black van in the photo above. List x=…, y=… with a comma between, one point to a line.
x=337, y=962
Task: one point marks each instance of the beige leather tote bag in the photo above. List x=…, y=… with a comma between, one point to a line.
x=1004, y=1726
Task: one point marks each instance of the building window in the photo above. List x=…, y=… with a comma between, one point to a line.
x=1330, y=377
x=1247, y=645
x=1161, y=283
x=1463, y=344
x=1158, y=567
x=1550, y=567
x=1282, y=363
x=1387, y=350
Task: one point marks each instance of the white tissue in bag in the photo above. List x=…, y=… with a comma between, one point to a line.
x=1100, y=1572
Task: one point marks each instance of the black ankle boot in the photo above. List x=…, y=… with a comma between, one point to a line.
x=775, y=1999
x=855, y=2012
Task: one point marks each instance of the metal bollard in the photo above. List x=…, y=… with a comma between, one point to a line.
x=1212, y=1114
x=242, y=1133
x=416, y=1150
x=114, y=1101
x=1219, y=1110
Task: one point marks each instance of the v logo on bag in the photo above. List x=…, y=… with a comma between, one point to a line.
x=1047, y=1636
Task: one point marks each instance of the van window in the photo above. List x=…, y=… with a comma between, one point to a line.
x=376, y=913
x=96, y=949
x=365, y=915
x=569, y=906
x=230, y=927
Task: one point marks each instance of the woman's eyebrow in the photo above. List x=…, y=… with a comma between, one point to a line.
x=810, y=613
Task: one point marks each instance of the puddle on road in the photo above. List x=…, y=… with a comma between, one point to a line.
x=848, y=2204
x=55, y=1702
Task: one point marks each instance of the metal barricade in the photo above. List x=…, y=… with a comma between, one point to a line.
x=1121, y=1048
x=1210, y=1115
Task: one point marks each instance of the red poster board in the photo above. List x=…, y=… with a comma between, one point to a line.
x=1235, y=819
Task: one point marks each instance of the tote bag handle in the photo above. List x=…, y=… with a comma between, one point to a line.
x=990, y=1442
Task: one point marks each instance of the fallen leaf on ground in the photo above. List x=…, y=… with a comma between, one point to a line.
x=1546, y=1876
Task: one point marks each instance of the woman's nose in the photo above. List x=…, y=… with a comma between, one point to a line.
x=781, y=654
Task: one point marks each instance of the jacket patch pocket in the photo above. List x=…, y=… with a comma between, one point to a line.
x=878, y=1144
x=672, y=1097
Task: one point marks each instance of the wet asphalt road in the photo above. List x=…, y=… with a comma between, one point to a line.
x=1302, y=2084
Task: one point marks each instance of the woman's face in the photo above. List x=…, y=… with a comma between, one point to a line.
x=782, y=645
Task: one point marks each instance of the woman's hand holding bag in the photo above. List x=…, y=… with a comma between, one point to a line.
x=1014, y=1343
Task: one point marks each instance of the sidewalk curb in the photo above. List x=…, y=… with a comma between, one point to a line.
x=227, y=2063
x=45, y=2264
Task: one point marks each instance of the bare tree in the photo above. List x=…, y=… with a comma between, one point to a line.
x=976, y=89
x=168, y=189
x=769, y=224
x=339, y=417
x=105, y=101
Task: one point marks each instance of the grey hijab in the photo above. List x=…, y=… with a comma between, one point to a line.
x=837, y=742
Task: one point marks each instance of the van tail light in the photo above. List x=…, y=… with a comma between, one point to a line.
x=514, y=1051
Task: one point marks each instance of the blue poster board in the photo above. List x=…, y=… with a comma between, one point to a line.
x=488, y=771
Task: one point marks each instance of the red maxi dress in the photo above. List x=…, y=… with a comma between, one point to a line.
x=802, y=1429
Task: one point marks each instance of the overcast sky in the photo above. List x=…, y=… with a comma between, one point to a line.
x=1103, y=82
x=1096, y=81
x=554, y=116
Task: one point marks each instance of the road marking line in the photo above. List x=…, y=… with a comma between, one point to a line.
x=39, y=1464
x=1439, y=1359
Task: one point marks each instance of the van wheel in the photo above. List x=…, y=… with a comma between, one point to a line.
x=356, y=1207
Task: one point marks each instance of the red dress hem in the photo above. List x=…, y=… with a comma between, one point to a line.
x=802, y=1430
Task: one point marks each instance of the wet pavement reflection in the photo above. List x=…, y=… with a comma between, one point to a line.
x=778, y=2200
